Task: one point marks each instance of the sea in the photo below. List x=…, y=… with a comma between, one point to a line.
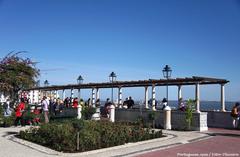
x=204, y=105
x=209, y=105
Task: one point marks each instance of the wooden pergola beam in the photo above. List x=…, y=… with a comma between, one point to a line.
x=140, y=83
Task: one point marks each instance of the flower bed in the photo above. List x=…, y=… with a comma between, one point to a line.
x=62, y=136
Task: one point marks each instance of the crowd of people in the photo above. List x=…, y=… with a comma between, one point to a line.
x=56, y=106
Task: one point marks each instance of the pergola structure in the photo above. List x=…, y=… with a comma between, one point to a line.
x=179, y=82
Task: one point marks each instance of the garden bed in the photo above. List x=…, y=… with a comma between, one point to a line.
x=62, y=136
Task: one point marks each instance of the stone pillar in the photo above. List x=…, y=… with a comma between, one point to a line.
x=93, y=97
x=146, y=97
x=72, y=93
x=97, y=94
x=112, y=113
x=79, y=94
x=120, y=97
x=167, y=118
x=55, y=94
x=39, y=96
x=223, y=98
x=79, y=109
x=197, y=97
x=63, y=94
x=153, y=97
x=179, y=92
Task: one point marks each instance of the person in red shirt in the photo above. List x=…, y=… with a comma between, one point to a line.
x=19, y=111
x=75, y=103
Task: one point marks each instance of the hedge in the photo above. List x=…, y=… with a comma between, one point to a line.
x=62, y=136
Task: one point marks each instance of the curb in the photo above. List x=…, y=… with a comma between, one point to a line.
x=49, y=151
x=133, y=151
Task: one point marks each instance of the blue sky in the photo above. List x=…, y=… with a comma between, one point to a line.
x=134, y=38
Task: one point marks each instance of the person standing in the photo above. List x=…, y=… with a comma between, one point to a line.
x=164, y=103
x=181, y=105
x=130, y=102
x=235, y=115
x=45, y=109
x=75, y=103
x=107, y=105
x=19, y=112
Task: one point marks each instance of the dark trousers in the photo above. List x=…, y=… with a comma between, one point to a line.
x=17, y=121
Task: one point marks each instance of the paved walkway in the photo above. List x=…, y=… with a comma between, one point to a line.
x=224, y=143
x=176, y=144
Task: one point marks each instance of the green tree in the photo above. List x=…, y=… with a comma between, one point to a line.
x=17, y=73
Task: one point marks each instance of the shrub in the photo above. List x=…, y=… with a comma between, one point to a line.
x=62, y=136
x=189, y=112
x=8, y=121
x=87, y=112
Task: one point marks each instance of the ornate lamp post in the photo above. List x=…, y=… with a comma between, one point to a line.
x=112, y=78
x=46, y=83
x=167, y=71
x=79, y=81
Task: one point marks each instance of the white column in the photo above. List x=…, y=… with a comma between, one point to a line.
x=93, y=97
x=63, y=94
x=72, y=93
x=167, y=118
x=179, y=92
x=223, y=98
x=153, y=97
x=55, y=94
x=79, y=109
x=197, y=97
x=112, y=113
x=39, y=96
x=146, y=97
x=97, y=94
x=79, y=94
x=120, y=97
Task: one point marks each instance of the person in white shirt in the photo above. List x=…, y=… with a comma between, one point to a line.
x=45, y=109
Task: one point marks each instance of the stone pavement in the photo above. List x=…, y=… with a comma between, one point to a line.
x=224, y=143
x=11, y=146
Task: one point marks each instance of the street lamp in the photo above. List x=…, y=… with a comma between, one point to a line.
x=167, y=71
x=112, y=78
x=79, y=81
x=46, y=83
